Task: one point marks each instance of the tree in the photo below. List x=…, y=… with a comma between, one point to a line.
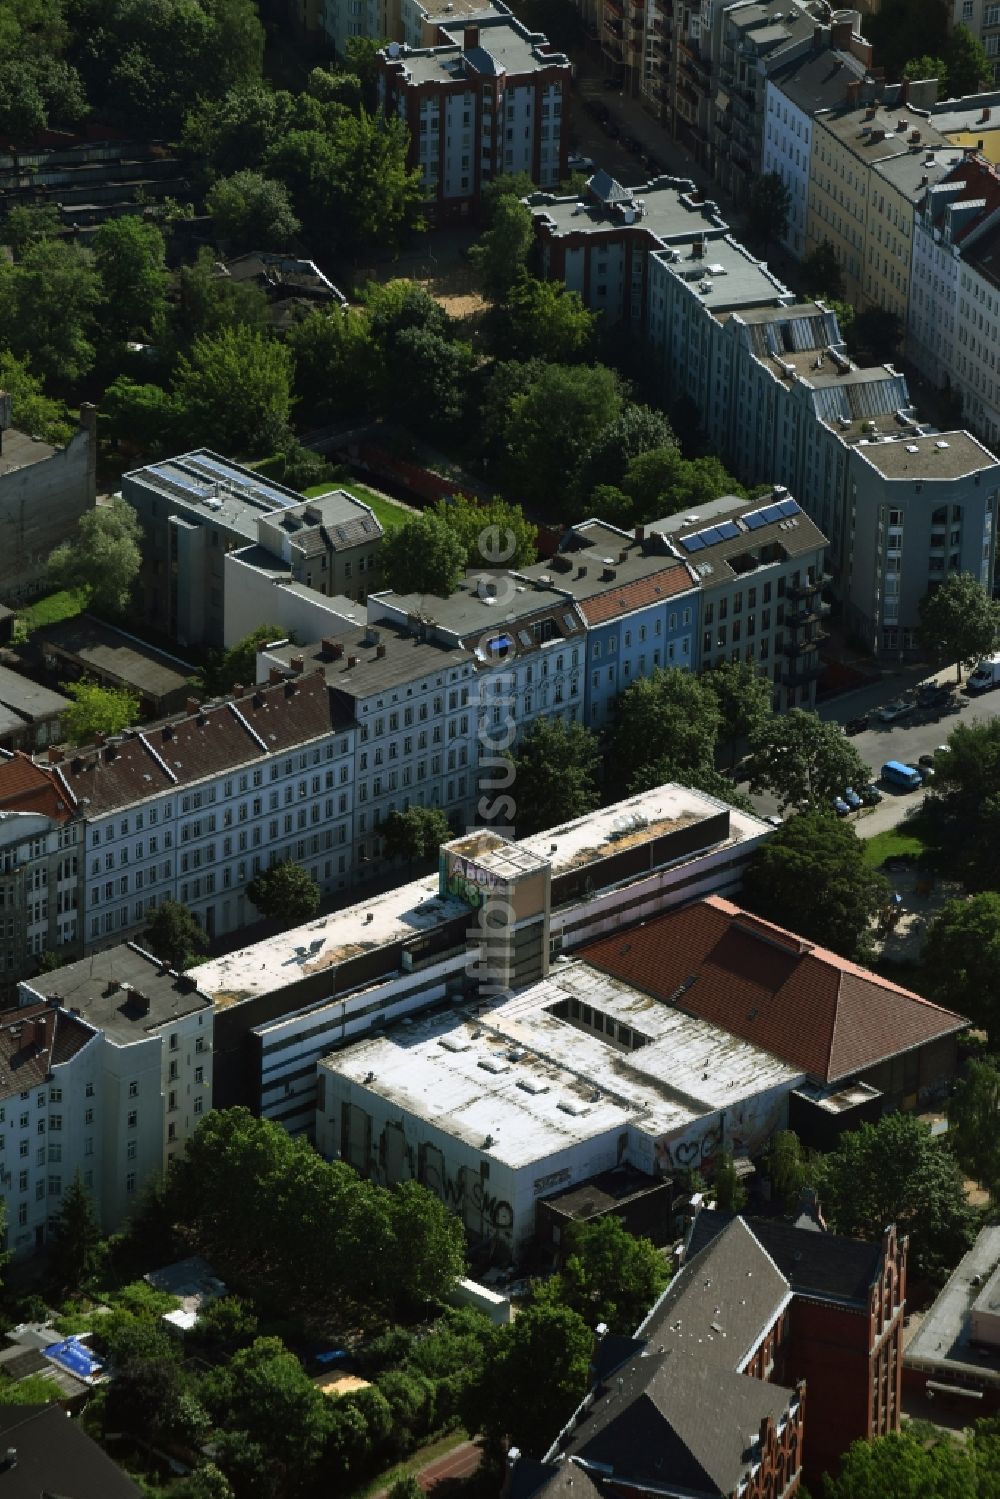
x=48, y=306
x=98, y=710
x=253, y=212
x=768, y=208
x=234, y=392
x=495, y=534
x=508, y=1400
x=804, y=760
x=821, y=273
x=374, y=195
x=36, y=90
x=516, y=185
x=33, y=411
x=174, y=935
x=416, y=833
x=972, y=1122
x=552, y=424
x=786, y=1168
x=424, y=556
x=610, y=1276
x=501, y=256
x=104, y=557
x=730, y=1193
x=635, y=430
x=428, y=1246
x=965, y=802
x=959, y=620
x=555, y=769
x=429, y=380
x=904, y=1466
x=238, y=665
x=338, y=367
x=968, y=65
x=394, y=307
x=744, y=698
x=876, y=336
x=130, y=257
x=265, y=1392
x=542, y=320
x=26, y=224
x=810, y=876
x=144, y=1396
x=661, y=482
x=919, y=68
x=670, y=719
x=208, y=303
x=285, y=892
x=896, y=1172
x=406, y=1487
x=74, y=1242
x=960, y=955
x=698, y=777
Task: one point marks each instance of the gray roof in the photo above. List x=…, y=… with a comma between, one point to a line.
x=913, y=173
x=211, y=489
x=730, y=556
x=115, y=654
x=854, y=128
x=55, y=1456
x=670, y=212
x=675, y=1421
x=145, y=994
x=19, y=450
x=942, y=1343
x=505, y=46
x=948, y=455
x=29, y=699
x=406, y=659
x=334, y=520
x=819, y=80
x=815, y=1263
x=467, y=614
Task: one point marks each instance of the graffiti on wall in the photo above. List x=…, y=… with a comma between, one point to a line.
x=466, y=879
x=746, y=1131
x=393, y=1159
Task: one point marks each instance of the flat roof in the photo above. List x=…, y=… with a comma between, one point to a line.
x=19, y=450
x=414, y=908
x=206, y=485
x=405, y=658
x=913, y=173
x=948, y=455
x=725, y=277
x=819, y=80
x=115, y=653
x=854, y=129
x=122, y=991
x=531, y=1083
x=29, y=699
x=672, y=210
x=505, y=46
x=471, y=609
x=942, y=1339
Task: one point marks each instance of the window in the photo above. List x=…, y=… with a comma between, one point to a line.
x=130, y=1183
x=133, y=1090
x=89, y=1090
x=55, y=1121
x=133, y=1119
x=199, y=1074
x=130, y=1150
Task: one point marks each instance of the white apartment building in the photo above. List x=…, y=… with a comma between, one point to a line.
x=39, y=866
x=192, y=809
x=109, y=1070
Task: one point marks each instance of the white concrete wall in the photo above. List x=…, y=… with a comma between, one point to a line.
x=787, y=148
x=252, y=598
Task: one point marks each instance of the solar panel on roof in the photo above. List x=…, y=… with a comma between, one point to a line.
x=710, y=536
x=728, y=529
x=771, y=513
x=790, y=507
x=692, y=543
x=524, y=637
x=569, y=623
x=754, y=520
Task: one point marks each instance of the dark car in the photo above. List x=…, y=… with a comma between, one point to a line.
x=926, y=760
x=870, y=795
x=856, y=725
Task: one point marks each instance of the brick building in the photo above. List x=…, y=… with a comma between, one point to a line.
x=709, y=1399
x=495, y=102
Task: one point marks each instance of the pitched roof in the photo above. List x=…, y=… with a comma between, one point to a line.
x=801, y=1002
x=674, y=1419
x=722, y=1301
x=33, y=1040
x=27, y=787
x=637, y=595
x=190, y=748
x=815, y=1264
x=55, y=1456
x=560, y=1480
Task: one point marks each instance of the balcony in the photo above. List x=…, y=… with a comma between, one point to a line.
x=803, y=589
x=795, y=648
x=798, y=676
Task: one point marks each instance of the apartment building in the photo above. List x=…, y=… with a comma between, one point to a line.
x=982, y=17
x=40, y=848
x=954, y=307
x=108, y=1069
x=154, y=1078
x=192, y=809
x=198, y=509
x=821, y=80
x=784, y=404
x=496, y=100
x=44, y=490
x=760, y=566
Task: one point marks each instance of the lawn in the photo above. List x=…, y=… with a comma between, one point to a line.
x=894, y=843
x=391, y=515
x=415, y=1463
x=54, y=607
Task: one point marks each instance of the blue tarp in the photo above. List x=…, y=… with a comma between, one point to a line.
x=75, y=1356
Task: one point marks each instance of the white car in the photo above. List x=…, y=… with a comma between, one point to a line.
x=892, y=711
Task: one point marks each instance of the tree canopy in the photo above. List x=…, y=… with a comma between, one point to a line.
x=552, y=423
x=508, y=1401
x=744, y=697
x=175, y=936
x=669, y=719
x=810, y=876
x=960, y=955
x=895, y=1171
x=495, y=534
x=501, y=256
x=425, y=555
x=555, y=766
x=609, y=1276
x=973, y=1118
x=49, y=299
x=253, y=212
x=98, y=710
x=130, y=257
x=967, y=62
x=541, y=319
x=234, y=392
x=905, y=1465
x=33, y=411
x=286, y=892
x=959, y=620
x=103, y=558
x=416, y=833
x=74, y=1242
x=804, y=760
x=768, y=207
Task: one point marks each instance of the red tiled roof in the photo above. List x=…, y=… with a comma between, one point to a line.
x=27, y=787
x=637, y=595
x=982, y=181
x=798, y=1001
x=264, y=721
x=34, y=1039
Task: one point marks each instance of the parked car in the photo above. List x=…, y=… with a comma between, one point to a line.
x=852, y=798
x=906, y=777
x=840, y=806
x=926, y=760
x=856, y=725
x=578, y=163
x=926, y=772
x=871, y=795
x=892, y=712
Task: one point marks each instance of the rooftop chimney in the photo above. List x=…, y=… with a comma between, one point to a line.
x=352, y=662
x=471, y=38
x=99, y=737
x=55, y=754
x=275, y=675
x=238, y=689
x=337, y=650
x=640, y=533
x=298, y=665
x=840, y=35
x=191, y=705
x=328, y=649
x=379, y=651
x=982, y=120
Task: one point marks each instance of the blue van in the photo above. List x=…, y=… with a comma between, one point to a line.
x=894, y=773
